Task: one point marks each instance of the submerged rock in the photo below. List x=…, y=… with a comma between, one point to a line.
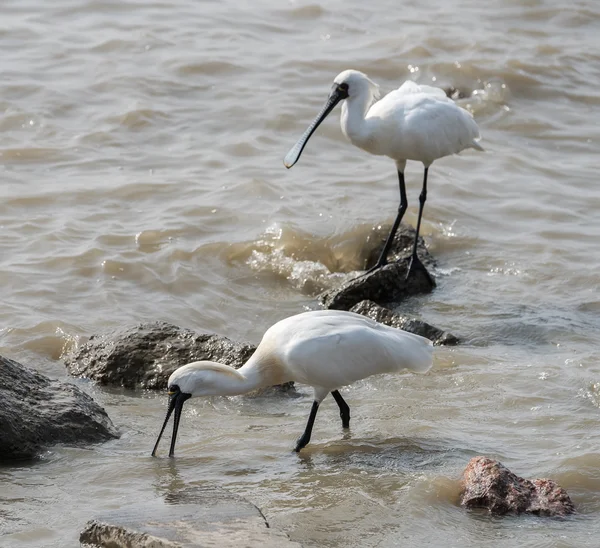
x=488, y=484
x=189, y=518
x=387, y=285
x=393, y=319
x=144, y=356
x=455, y=93
x=37, y=412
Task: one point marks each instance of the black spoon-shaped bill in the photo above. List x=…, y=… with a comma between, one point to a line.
x=169, y=411
x=176, y=419
x=293, y=155
x=176, y=401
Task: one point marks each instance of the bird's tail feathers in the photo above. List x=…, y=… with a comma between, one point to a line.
x=416, y=352
x=420, y=361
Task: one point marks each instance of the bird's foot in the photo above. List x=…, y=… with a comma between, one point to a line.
x=369, y=271
x=377, y=266
x=301, y=444
x=416, y=265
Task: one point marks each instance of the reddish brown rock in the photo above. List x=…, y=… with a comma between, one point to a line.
x=549, y=499
x=487, y=483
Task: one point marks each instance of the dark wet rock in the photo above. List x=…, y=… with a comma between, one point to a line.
x=401, y=246
x=144, y=356
x=388, y=285
x=393, y=319
x=193, y=517
x=488, y=484
x=37, y=412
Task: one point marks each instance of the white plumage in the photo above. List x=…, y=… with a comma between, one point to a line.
x=413, y=122
x=326, y=349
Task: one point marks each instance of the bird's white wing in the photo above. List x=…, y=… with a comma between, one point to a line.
x=412, y=87
x=341, y=347
x=410, y=95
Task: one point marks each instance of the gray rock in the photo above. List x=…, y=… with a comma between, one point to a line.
x=193, y=517
x=144, y=356
x=393, y=319
x=401, y=246
x=37, y=412
x=387, y=285
x=488, y=484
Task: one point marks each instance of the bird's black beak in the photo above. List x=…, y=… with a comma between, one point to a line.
x=338, y=93
x=176, y=400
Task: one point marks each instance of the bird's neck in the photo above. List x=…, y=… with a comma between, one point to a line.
x=228, y=381
x=353, y=121
x=263, y=369
x=257, y=372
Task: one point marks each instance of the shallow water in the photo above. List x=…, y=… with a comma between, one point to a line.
x=142, y=178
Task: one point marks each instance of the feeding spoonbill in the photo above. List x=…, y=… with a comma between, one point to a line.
x=326, y=349
x=413, y=122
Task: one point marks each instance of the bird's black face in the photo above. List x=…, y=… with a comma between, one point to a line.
x=339, y=92
x=176, y=400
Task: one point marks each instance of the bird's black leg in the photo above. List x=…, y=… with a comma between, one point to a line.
x=382, y=261
x=344, y=408
x=305, y=438
x=415, y=262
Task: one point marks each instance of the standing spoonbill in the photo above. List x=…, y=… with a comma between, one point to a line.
x=413, y=122
x=326, y=349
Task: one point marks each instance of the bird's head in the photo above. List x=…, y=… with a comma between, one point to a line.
x=202, y=378
x=349, y=84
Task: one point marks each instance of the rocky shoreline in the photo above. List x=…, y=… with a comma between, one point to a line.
x=37, y=412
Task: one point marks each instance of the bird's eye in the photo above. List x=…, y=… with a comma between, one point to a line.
x=342, y=90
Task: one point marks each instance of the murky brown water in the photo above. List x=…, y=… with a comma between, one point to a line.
x=142, y=178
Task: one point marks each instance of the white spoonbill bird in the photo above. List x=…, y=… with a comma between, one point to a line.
x=413, y=122
x=326, y=349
